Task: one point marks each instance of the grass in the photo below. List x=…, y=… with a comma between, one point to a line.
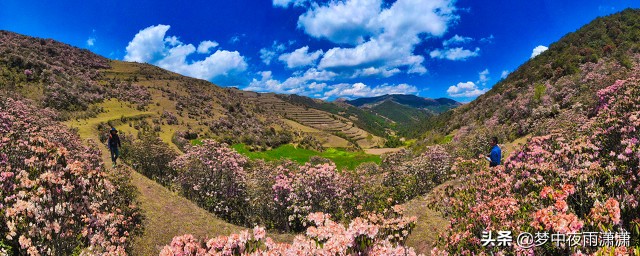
x=115, y=110
x=430, y=221
x=196, y=142
x=342, y=158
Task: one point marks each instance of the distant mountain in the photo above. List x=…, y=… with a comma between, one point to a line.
x=432, y=105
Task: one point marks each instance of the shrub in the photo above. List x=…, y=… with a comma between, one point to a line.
x=150, y=156
x=375, y=234
x=57, y=199
x=214, y=176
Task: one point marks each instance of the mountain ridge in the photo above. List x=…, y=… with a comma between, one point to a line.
x=407, y=100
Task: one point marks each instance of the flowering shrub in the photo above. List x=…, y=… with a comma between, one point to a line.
x=171, y=118
x=126, y=91
x=213, y=176
x=311, y=188
x=408, y=176
x=375, y=234
x=56, y=198
x=556, y=184
x=150, y=156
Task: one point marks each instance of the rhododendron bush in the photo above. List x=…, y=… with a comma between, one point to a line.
x=214, y=176
x=56, y=197
x=373, y=234
x=408, y=175
x=556, y=184
x=280, y=195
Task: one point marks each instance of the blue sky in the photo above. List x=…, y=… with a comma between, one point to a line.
x=322, y=49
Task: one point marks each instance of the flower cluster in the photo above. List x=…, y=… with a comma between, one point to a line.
x=213, y=176
x=409, y=175
x=373, y=235
x=56, y=197
x=170, y=118
x=311, y=188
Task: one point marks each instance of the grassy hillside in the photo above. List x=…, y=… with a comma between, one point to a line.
x=555, y=89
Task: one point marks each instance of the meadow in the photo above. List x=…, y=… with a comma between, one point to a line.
x=341, y=157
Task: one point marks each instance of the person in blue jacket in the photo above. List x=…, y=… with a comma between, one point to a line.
x=114, y=144
x=496, y=153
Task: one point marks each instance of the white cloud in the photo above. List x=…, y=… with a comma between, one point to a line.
x=151, y=46
x=468, y=89
x=381, y=35
x=376, y=53
x=91, y=41
x=300, y=57
x=267, y=54
x=147, y=45
x=286, y=3
x=538, y=50
x=456, y=40
x=313, y=83
x=348, y=21
x=504, y=74
x=458, y=53
x=371, y=71
x=172, y=40
x=488, y=39
x=205, y=46
x=483, y=77
x=358, y=90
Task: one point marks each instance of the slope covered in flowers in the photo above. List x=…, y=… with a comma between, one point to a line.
x=554, y=89
x=56, y=196
x=557, y=183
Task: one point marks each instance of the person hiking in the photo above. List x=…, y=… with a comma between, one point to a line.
x=114, y=143
x=496, y=153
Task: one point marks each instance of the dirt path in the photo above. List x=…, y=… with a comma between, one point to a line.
x=430, y=222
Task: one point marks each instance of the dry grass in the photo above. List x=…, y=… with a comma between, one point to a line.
x=115, y=109
x=328, y=140
x=430, y=221
x=510, y=147
x=381, y=151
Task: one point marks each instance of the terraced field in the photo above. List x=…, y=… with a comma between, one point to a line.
x=314, y=118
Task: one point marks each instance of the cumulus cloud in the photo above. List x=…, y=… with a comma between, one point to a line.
x=457, y=53
x=456, y=40
x=300, y=57
x=91, y=41
x=466, y=89
x=286, y=3
x=381, y=36
x=358, y=90
x=371, y=71
x=314, y=83
x=538, y=50
x=504, y=74
x=309, y=83
x=342, y=21
x=205, y=46
x=483, y=77
x=147, y=45
x=151, y=45
x=267, y=54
